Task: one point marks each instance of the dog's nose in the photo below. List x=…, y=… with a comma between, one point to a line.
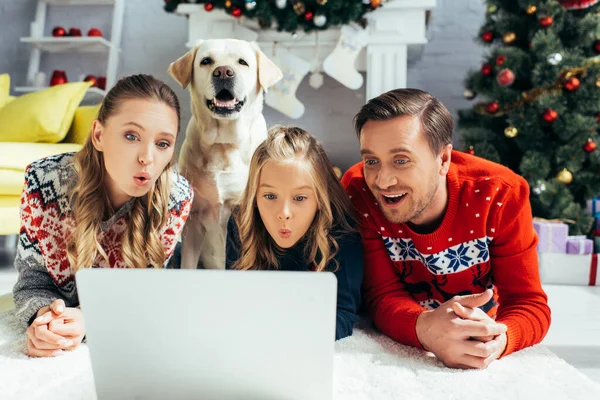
x=223, y=72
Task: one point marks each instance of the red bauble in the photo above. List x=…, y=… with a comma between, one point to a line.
x=487, y=36
x=236, y=12
x=550, y=115
x=91, y=78
x=597, y=46
x=95, y=32
x=505, y=77
x=308, y=15
x=577, y=4
x=545, y=22
x=500, y=59
x=470, y=151
x=58, y=77
x=598, y=116
x=492, y=107
x=209, y=6
x=74, y=32
x=101, y=82
x=59, y=31
x=486, y=69
x=572, y=84
x=589, y=146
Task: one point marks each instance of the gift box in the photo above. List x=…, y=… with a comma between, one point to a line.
x=552, y=235
x=579, y=245
x=569, y=269
x=593, y=207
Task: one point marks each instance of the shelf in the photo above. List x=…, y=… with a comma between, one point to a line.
x=83, y=44
x=80, y=2
x=93, y=91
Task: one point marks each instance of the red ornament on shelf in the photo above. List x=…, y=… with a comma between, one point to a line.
x=95, y=32
x=486, y=69
x=59, y=31
x=58, y=77
x=209, y=6
x=74, y=32
x=91, y=78
x=470, y=151
x=236, y=12
x=589, y=146
x=505, y=77
x=550, y=115
x=101, y=82
x=308, y=16
x=492, y=107
x=597, y=46
x=572, y=84
x=487, y=36
x=545, y=22
x=500, y=59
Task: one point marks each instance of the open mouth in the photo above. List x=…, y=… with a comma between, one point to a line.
x=393, y=198
x=285, y=233
x=225, y=103
x=141, y=179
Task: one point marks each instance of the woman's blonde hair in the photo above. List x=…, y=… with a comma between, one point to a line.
x=332, y=219
x=141, y=245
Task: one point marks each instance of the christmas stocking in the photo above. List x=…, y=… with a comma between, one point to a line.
x=340, y=63
x=282, y=96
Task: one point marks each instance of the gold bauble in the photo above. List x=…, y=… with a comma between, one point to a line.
x=228, y=3
x=492, y=8
x=531, y=10
x=509, y=37
x=299, y=8
x=565, y=176
x=511, y=132
x=321, y=2
x=598, y=83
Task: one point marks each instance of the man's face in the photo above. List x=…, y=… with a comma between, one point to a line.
x=400, y=169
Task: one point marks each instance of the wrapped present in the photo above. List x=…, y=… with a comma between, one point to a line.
x=569, y=269
x=593, y=207
x=579, y=245
x=552, y=235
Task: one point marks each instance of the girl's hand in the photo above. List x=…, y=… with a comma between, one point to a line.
x=41, y=341
x=69, y=325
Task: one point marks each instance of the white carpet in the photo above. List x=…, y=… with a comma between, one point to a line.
x=367, y=366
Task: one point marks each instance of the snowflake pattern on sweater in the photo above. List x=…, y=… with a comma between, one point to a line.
x=44, y=270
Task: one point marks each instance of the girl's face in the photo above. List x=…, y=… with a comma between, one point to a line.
x=137, y=143
x=286, y=201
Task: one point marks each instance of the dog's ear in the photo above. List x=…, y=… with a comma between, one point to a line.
x=182, y=70
x=268, y=73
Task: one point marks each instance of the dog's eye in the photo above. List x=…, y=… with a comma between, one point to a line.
x=243, y=62
x=206, y=61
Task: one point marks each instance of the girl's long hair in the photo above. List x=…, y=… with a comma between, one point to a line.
x=141, y=245
x=332, y=219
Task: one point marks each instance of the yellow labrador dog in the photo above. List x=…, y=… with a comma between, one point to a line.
x=227, y=79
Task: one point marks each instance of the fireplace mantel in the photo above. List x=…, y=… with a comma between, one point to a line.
x=391, y=29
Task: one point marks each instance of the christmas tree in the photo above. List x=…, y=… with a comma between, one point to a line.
x=290, y=15
x=538, y=102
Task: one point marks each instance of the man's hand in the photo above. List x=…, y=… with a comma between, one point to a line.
x=449, y=337
x=41, y=342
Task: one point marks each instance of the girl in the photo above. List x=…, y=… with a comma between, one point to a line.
x=295, y=216
x=115, y=204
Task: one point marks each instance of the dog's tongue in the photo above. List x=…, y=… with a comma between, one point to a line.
x=224, y=104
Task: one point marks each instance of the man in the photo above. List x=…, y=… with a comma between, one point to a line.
x=447, y=237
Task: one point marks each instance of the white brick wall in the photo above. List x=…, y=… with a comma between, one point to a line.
x=153, y=38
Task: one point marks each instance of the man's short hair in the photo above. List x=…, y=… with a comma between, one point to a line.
x=435, y=119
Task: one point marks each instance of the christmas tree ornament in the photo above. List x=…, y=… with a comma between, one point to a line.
x=589, y=146
x=250, y=5
x=236, y=11
x=299, y=8
x=577, y=4
x=316, y=80
x=59, y=31
x=546, y=22
x=509, y=37
x=555, y=58
x=550, y=115
x=597, y=46
x=565, y=176
x=101, y=82
x=531, y=10
x=209, y=6
x=227, y=3
x=282, y=96
x=470, y=151
x=505, y=77
x=488, y=36
x=366, y=2
x=511, y=132
x=75, y=32
x=598, y=83
x=321, y=2
x=375, y=3
x=340, y=64
x=492, y=107
x=320, y=20
x=281, y=4
x=308, y=15
x=492, y=8
x=469, y=94
x=500, y=59
x=95, y=32
x=92, y=79
x=58, y=77
x=539, y=188
x=486, y=69
x=572, y=84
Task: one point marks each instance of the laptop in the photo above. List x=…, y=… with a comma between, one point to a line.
x=209, y=334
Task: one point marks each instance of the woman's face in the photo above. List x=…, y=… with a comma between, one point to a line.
x=137, y=143
x=286, y=201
